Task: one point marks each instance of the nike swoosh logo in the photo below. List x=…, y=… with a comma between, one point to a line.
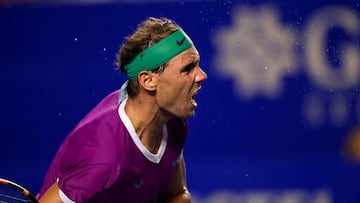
x=174, y=163
x=179, y=43
x=138, y=185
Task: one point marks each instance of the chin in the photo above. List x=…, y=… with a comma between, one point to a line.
x=191, y=114
x=185, y=115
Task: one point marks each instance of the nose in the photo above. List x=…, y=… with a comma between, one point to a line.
x=200, y=75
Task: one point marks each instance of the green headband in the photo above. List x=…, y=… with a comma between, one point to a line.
x=159, y=53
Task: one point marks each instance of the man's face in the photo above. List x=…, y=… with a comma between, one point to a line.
x=179, y=83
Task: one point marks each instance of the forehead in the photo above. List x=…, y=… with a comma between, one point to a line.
x=190, y=55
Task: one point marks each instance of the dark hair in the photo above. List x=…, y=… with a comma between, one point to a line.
x=149, y=32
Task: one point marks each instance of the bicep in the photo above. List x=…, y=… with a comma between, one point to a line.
x=177, y=191
x=51, y=195
x=78, y=184
x=178, y=181
x=85, y=164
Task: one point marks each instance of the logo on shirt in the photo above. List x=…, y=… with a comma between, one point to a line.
x=138, y=184
x=174, y=162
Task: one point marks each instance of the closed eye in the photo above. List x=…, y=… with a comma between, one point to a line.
x=189, y=67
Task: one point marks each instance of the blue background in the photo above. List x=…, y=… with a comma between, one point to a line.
x=57, y=62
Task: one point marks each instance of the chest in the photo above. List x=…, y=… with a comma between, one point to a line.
x=138, y=179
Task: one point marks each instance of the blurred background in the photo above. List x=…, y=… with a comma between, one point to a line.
x=278, y=118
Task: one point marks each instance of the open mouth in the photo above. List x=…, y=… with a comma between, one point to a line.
x=193, y=102
x=192, y=99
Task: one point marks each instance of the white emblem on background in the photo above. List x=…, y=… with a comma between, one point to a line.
x=257, y=50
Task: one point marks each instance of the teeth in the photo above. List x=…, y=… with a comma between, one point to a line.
x=193, y=102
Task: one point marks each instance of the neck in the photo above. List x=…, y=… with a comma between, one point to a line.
x=147, y=119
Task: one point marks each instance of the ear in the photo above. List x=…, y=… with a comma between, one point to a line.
x=147, y=81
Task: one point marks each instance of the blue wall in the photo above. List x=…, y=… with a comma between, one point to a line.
x=267, y=127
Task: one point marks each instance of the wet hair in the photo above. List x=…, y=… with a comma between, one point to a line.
x=148, y=32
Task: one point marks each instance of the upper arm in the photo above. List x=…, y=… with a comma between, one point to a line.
x=84, y=164
x=177, y=191
x=51, y=195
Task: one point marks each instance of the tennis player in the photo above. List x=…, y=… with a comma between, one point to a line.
x=129, y=148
